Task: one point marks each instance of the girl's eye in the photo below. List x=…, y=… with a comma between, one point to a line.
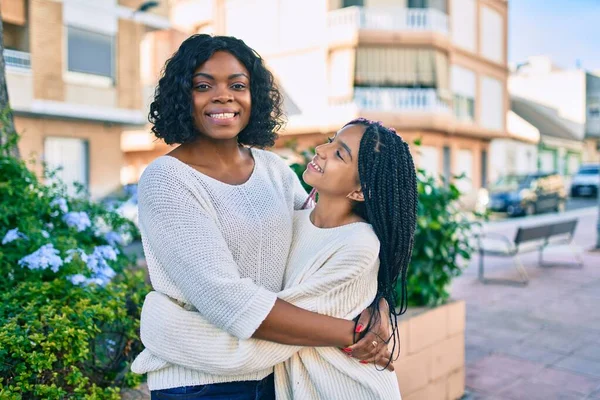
x=337, y=153
x=329, y=140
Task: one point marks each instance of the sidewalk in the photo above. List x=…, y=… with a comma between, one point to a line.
x=541, y=341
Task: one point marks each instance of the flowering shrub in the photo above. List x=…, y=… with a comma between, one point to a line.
x=69, y=304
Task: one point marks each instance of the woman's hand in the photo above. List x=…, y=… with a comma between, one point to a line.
x=373, y=346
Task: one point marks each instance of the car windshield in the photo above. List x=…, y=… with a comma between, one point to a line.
x=513, y=182
x=589, y=171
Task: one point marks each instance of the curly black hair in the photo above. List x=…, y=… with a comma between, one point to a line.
x=171, y=112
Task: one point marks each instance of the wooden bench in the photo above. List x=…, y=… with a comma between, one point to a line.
x=528, y=239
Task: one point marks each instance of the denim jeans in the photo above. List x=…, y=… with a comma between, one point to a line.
x=246, y=390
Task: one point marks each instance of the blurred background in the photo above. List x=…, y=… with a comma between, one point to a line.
x=505, y=94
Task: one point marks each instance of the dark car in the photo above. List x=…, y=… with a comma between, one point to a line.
x=527, y=194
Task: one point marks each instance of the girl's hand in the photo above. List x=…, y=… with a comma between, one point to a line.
x=373, y=346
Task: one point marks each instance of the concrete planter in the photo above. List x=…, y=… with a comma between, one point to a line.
x=431, y=365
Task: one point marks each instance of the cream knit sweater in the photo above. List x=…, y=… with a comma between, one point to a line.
x=217, y=247
x=330, y=271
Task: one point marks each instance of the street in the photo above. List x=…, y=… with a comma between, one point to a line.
x=540, y=341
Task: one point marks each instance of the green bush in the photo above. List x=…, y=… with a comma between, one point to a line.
x=441, y=239
x=69, y=304
x=442, y=242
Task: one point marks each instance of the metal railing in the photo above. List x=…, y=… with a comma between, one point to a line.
x=391, y=18
x=17, y=59
x=399, y=99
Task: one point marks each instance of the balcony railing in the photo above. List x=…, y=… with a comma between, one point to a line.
x=399, y=99
x=391, y=18
x=17, y=59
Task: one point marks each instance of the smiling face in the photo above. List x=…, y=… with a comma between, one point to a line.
x=221, y=97
x=334, y=169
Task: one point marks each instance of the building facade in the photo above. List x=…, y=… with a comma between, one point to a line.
x=73, y=77
x=571, y=97
x=435, y=70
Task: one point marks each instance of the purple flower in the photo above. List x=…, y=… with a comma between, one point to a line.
x=113, y=238
x=77, y=279
x=78, y=220
x=44, y=257
x=72, y=252
x=61, y=204
x=13, y=235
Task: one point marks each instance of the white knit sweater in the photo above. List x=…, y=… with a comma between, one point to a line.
x=330, y=271
x=217, y=247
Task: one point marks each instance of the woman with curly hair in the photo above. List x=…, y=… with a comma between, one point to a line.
x=353, y=248
x=216, y=218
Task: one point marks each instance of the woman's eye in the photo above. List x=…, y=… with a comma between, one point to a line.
x=329, y=140
x=337, y=153
x=238, y=86
x=202, y=86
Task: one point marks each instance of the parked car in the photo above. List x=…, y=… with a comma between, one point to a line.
x=527, y=194
x=587, y=181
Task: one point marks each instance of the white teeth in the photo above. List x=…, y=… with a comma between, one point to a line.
x=316, y=166
x=222, y=115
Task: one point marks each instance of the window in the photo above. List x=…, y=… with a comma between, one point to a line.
x=429, y=160
x=71, y=155
x=401, y=67
x=90, y=52
x=463, y=16
x=447, y=165
x=484, y=168
x=437, y=4
x=491, y=35
x=350, y=3
x=594, y=107
x=465, y=168
x=463, y=87
x=492, y=104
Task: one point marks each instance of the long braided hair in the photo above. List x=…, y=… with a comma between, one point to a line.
x=389, y=185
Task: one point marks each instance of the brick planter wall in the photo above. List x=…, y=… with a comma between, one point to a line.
x=431, y=365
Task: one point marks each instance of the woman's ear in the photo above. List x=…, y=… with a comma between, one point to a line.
x=356, y=195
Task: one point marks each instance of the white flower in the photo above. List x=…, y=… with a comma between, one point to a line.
x=44, y=257
x=61, y=204
x=13, y=235
x=45, y=234
x=79, y=220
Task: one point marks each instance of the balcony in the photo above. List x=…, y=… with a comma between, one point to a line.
x=399, y=100
x=18, y=60
x=347, y=22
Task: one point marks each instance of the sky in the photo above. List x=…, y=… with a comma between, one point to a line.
x=566, y=30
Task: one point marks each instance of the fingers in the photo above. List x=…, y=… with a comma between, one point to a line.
x=363, y=321
x=368, y=348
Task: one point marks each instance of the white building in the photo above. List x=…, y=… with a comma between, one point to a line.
x=518, y=153
x=570, y=97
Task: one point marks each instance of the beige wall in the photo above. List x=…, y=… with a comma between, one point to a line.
x=105, y=156
x=47, y=49
x=128, y=65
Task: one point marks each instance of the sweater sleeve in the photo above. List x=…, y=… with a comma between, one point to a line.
x=186, y=338
x=183, y=236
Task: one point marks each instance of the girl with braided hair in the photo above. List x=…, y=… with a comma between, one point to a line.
x=349, y=252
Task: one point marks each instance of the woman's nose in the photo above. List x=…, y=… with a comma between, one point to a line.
x=222, y=96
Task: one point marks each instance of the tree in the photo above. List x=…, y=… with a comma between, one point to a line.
x=7, y=125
